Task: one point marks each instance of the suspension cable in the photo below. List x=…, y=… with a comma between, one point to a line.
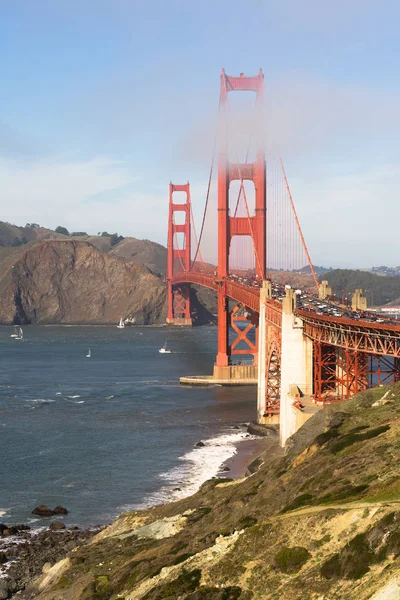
x=249, y=219
x=298, y=225
x=208, y=189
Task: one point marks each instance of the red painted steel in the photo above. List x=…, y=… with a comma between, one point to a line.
x=178, y=297
x=348, y=355
x=229, y=227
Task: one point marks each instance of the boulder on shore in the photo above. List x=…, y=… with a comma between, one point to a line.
x=56, y=525
x=200, y=444
x=42, y=511
x=60, y=510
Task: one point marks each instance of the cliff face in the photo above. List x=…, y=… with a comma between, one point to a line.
x=322, y=522
x=73, y=282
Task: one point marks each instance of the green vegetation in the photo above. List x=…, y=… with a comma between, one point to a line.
x=344, y=494
x=378, y=290
x=323, y=438
x=213, y=593
x=62, y=230
x=188, y=581
x=297, y=502
x=198, y=514
x=353, y=438
x=365, y=549
x=247, y=522
x=290, y=560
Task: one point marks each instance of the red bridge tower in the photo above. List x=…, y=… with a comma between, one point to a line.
x=178, y=259
x=231, y=226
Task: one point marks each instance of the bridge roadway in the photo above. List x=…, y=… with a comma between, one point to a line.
x=358, y=335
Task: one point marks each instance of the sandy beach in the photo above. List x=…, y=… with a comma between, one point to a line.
x=248, y=451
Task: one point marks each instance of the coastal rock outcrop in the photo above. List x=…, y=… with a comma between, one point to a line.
x=60, y=510
x=72, y=282
x=42, y=511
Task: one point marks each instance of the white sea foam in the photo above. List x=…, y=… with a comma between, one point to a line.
x=3, y=512
x=77, y=396
x=110, y=397
x=198, y=465
x=41, y=400
x=58, y=394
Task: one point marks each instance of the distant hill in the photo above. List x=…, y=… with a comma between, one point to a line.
x=143, y=252
x=378, y=290
x=318, y=270
x=66, y=281
x=13, y=235
x=385, y=271
x=51, y=276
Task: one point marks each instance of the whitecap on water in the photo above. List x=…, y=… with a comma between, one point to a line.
x=198, y=465
x=3, y=512
x=110, y=397
x=77, y=396
x=41, y=400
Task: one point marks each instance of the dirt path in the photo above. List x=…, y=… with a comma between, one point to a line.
x=350, y=506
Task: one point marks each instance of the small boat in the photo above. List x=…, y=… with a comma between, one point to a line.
x=20, y=335
x=89, y=354
x=15, y=334
x=164, y=349
x=121, y=324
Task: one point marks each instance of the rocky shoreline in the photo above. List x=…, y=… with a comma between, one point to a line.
x=25, y=553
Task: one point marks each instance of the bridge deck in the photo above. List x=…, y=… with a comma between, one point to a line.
x=356, y=335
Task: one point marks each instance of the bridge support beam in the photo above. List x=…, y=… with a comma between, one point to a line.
x=296, y=366
x=178, y=297
x=222, y=359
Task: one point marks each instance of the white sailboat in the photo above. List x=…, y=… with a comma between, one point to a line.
x=164, y=349
x=121, y=324
x=89, y=354
x=20, y=335
x=15, y=334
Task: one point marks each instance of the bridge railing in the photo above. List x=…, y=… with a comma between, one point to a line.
x=372, y=338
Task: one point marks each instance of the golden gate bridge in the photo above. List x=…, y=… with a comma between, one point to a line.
x=250, y=236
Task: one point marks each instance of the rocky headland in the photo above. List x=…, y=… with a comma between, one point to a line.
x=66, y=281
x=321, y=522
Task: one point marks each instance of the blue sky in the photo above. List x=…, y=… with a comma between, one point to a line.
x=103, y=102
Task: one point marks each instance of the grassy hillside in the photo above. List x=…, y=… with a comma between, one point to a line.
x=143, y=252
x=379, y=290
x=321, y=522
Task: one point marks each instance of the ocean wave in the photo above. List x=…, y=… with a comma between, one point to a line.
x=198, y=465
x=41, y=400
x=3, y=511
x=76, y=396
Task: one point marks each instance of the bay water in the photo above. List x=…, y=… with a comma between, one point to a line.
x=115, y=431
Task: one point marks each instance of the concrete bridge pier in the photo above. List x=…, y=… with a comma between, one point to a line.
x=296, y=368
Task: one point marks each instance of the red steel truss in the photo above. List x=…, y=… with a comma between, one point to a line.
x=273, y=372
x=361, y=336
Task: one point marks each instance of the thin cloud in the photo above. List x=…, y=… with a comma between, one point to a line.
x=64, y=193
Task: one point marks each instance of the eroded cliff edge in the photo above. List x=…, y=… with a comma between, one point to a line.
x=322, y=522
x=72, y=282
